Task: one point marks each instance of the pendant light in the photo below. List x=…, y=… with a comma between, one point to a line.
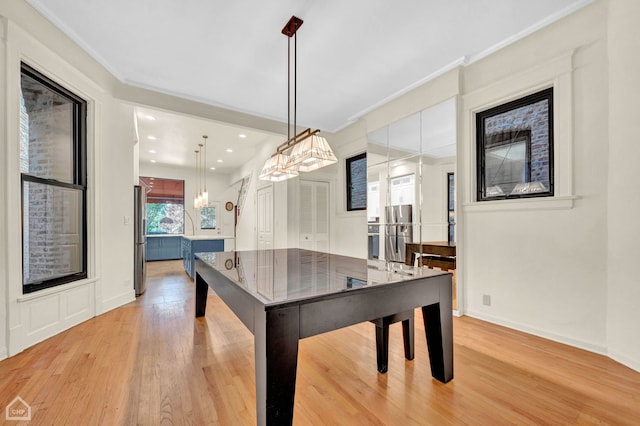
x=196, y=198
x=205, y=194
x=305, y=151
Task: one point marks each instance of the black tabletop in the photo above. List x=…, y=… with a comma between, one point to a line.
x=285, y=275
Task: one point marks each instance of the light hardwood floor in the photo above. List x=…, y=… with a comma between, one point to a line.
x=151, y=362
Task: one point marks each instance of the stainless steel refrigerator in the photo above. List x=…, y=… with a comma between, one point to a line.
x=139, y=238
x=398, y=231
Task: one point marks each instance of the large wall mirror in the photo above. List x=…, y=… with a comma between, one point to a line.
x=410, y=174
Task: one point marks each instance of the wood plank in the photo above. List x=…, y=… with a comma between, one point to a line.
x=151, y=362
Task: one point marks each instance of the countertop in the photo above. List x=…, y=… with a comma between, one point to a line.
x=194, y=237
x=208, y=237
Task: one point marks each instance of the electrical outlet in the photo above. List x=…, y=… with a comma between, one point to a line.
x=127, y=220
x=486, y=300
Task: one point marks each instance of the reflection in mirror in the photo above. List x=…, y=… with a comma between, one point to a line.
x=410, y=166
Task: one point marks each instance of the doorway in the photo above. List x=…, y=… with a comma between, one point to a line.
x=314, y=215
x=265, y=218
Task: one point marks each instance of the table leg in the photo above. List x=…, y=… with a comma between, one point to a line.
x=276, y=337
x=408, y=337
x=438, y=326
x=382, y=347
x=202, y=289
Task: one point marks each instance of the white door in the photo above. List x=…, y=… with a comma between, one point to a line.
x=314, y=215
x=265, y=218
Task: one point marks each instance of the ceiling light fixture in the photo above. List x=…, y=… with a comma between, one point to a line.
x=197, y=198
x=229, y=150
x=305, y=151
x=205, y=193
x=242, y=136
x=201, y=198
x=151, y=138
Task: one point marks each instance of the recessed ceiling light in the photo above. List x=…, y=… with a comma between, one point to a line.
x=152, y=151
x=229, y=150
x=242, y=136
x=151, y=138
x=219, y=161
x=150, y=117
x=212, y=168
x=153, y=161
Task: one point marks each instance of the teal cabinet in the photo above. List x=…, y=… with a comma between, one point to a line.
x=163, y=248
x=191, y=247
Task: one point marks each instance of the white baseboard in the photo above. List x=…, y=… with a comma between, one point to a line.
x=587, y=346
x=3, y=353
x=120, y=300
x=625, y=360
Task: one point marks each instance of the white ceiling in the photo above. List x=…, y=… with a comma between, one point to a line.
x=353, y=55
x=171, y=139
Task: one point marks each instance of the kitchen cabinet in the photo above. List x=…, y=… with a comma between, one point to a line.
x=163, y=247
x=193, y=245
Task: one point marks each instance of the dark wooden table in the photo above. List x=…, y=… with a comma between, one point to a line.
x=285, y=295
x=439, y=254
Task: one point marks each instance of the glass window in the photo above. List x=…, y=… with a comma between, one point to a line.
x=53, y=174
x=451, y=207
x=515, y=148
x=357, y=182
x=402, y=190
x=165, y=205
x=208, y=217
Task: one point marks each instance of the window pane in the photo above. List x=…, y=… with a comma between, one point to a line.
x=515, y=146
x=165, y=218
x=357, y=182
x=208, y=217
x=52, y=234
x=165, y=205
x=402, y=190
x=46, y=149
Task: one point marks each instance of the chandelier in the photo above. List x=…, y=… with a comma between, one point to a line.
x=305, y=151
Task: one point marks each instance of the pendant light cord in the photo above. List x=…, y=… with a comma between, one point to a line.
x=295, y=82
x=289, y=88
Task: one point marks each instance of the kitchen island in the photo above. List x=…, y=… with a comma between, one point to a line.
x=192, y=244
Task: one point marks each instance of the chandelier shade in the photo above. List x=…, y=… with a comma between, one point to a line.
x=311, y=154
x=276, y=168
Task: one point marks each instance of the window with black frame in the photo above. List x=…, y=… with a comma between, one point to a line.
x=54, y=182
x=515, y=148
x=357, y=182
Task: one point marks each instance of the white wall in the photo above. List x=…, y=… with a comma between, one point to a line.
x=542, y=262
x=27, y=319
x=349, y=228
x=3, y=196
x=549, y=265
x=246, y=231
x=219, y=190
x=623, y=296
